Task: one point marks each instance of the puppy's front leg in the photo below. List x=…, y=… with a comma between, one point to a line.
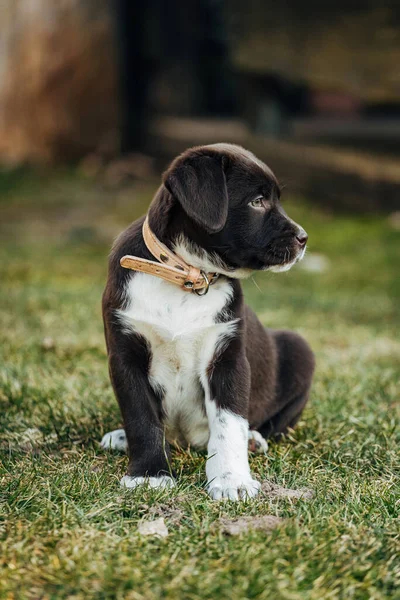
x=148, y=449
x=227, y=397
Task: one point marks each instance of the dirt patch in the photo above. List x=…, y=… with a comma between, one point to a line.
x=154, y=523
x=169, y=510
x=245, y=524
x=275, y=491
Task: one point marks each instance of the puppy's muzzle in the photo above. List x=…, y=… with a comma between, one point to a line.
x=301, y=238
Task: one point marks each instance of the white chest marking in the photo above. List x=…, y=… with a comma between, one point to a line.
x=183, y=337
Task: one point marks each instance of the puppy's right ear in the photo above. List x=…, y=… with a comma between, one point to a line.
x=199, y=184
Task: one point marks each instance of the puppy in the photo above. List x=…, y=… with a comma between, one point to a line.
x=189, y=361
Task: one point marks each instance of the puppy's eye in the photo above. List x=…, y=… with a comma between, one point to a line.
x=257, y=202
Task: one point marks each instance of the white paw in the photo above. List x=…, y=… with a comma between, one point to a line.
x=162, y=482
x=257, y=443
x=233, y=488
x=115, y=440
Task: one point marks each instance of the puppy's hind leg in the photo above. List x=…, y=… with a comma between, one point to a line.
x=115, y=440
x=296, y=369
x=257, y=443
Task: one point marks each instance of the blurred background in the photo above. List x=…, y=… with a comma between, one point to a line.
x=312, y=88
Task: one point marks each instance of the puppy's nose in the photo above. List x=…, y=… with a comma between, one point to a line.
x=302, y=238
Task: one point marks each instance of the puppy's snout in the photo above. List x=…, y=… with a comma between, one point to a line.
x=302, y=238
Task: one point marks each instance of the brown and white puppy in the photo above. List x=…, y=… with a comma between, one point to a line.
x=202, y=370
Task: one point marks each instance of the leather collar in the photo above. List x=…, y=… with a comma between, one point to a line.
x=171, y=267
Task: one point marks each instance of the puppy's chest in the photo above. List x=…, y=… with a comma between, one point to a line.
x=183, y=335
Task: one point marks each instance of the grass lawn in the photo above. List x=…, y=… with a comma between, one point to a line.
x=67, y=530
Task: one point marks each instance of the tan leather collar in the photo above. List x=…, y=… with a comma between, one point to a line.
x=171, y=267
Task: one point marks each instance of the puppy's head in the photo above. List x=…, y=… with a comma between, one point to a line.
x=225, y=205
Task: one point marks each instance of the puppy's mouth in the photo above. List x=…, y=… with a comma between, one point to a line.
x=288, y=261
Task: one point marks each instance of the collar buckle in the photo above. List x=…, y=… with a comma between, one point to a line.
x=204, y=290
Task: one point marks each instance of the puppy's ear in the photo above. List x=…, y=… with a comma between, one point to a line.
x=199, y=184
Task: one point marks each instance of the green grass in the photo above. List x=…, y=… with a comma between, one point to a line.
x=67, y=530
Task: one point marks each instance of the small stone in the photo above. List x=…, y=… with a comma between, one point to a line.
x=154, y=528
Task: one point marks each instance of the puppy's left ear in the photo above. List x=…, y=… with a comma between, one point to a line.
x=199, y=184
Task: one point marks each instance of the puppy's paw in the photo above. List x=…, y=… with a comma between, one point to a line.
x=229, y=487
x=115, y=440
x=161, y=482
x=257, y=443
